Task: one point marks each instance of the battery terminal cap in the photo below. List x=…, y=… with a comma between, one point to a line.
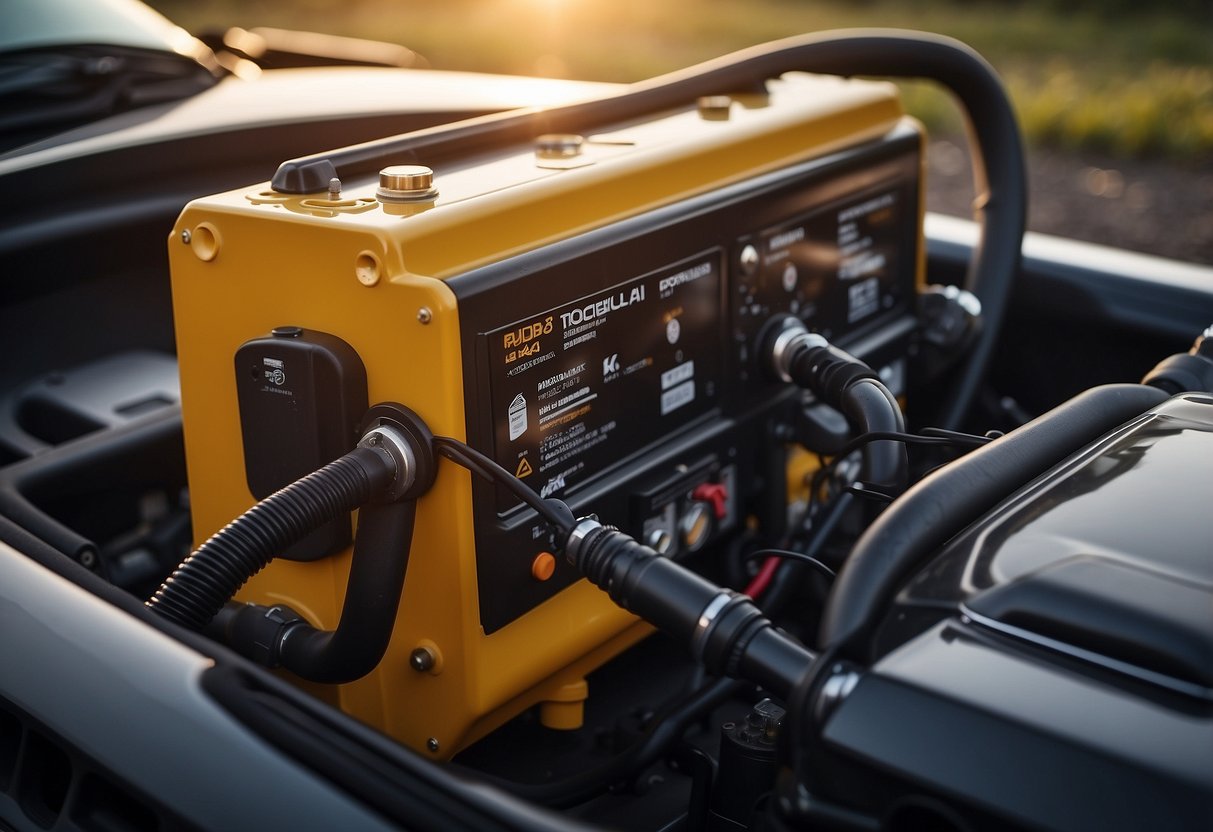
x=406, y=183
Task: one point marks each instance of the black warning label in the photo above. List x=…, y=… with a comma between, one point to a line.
x=584, y=385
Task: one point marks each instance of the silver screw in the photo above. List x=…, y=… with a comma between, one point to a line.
x=334, y=188
x=424, y=315
x=421, y=660
x=185, y=236
x=432, y=744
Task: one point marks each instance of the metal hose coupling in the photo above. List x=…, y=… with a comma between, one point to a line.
x=723, y=629
x=808, y=360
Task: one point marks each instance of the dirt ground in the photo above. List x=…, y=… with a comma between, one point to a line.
x=1148, y=206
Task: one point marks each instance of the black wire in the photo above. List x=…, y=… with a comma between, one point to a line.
x=463, y=454
x=928, y=436
x=959, y=437
x=788, y=554
x=863, y=489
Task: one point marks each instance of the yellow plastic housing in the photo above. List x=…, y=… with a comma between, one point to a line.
x=372, y=273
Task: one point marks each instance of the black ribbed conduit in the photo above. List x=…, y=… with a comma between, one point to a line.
x=211, y=575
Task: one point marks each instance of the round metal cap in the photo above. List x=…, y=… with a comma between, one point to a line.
x=406, y=183
x=558, y=145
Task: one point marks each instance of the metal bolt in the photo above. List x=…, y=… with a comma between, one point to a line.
x=334, y=188
x=185, y=236
x=432, y=745
x=424, y=315
x=421, y=659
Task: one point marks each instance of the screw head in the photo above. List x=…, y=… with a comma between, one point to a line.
x=421, y=659
x=424, y=315
x=186, y=236
x=432, y=744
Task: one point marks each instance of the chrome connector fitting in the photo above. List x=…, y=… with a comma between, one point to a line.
x=394, y=445
x=585, y=526
x=792, y=336
x=837, y=687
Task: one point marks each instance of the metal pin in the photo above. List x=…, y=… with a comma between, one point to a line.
x=334, y=188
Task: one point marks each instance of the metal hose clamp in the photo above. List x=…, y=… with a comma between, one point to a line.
x=395, y=445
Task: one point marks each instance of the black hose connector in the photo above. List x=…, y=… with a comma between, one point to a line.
x=279, y=637
x=724, y=630
x=847, y=384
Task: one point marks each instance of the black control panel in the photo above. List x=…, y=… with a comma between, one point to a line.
x=617, y=370
x=589, y=382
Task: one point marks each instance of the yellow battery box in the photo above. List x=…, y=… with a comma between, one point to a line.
x=583, y=307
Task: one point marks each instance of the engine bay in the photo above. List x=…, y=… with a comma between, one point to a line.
x=669, y=512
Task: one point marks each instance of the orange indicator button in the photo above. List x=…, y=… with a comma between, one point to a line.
x=544, y=566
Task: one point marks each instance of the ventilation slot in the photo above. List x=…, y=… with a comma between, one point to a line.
x=104, y=807
x=10, y=747
x=58, y=786
x=46, y=777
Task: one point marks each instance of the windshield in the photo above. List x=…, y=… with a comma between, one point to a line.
x=68, y=62
x=31, y=24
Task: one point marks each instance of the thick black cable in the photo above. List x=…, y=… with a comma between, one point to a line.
x=943, y=504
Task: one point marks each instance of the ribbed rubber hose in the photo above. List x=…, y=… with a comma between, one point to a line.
x=215, y=571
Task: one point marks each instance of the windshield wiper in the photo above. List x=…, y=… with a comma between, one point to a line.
x=67, y=85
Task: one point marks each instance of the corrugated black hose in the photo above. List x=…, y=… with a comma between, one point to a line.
x=391, y=467
x=215, y=571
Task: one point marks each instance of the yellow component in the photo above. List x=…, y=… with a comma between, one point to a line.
x=566, y=709
x=374, y=278
x=800, y=469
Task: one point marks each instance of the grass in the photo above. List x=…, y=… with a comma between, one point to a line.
x=1127, y=83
